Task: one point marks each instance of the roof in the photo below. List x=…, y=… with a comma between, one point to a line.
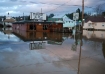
x=31, y=21
x=58, y=16
x=95, y=19
x=59, y=21
x=65, y=18
x=9, y=20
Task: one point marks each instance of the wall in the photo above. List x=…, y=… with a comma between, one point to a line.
x=96, y=25
x=39, y=27
x=99, y=25
x=22, y=26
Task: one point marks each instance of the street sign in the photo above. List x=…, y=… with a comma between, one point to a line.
x=75, y=16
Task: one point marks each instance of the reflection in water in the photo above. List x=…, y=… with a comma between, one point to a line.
x=38, y=45
x=74, y=47
x=77, y=41
x=7, y=35
x=94, y=34
x=79, y=62
x=62, y=52
x=103, y=48
x=7, y=31
x=51, y=38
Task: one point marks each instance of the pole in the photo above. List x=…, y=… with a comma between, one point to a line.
x=33, y=31
x=79, y=62
x=75, y=30
x=82, y=15
x=23, y=15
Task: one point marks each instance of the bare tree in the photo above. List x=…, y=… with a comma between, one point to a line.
x=99, y=9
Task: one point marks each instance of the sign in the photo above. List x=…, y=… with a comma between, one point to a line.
x=75, y=16
x=37, y=16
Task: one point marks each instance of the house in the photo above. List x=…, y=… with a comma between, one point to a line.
x=37, y=26
x=38, y=23
x=8, y=21
x=94, y=22
x=67, y=22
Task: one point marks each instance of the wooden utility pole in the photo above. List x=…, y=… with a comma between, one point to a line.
x=82, y=16
x=79, y=62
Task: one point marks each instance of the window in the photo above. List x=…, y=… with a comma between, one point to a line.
x=102, y=24
x=45, y=27
x=102, y=35
x=95, y=24
x=32, y=27
x=89, y=24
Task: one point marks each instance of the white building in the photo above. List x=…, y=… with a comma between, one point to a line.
x=67, y=22
x=94, y=22
x=9, y=20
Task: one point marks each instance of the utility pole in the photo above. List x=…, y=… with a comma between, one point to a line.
x=79, y=62
x=82, y=15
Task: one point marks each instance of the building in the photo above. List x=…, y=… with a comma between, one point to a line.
x=8, y=21
x=67, y=22
x=94, y=22
x=38, y=23
x=38, y=26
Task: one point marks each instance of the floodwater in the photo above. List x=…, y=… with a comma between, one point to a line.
x=52, y=53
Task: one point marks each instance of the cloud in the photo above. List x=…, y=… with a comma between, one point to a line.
x=13, y=0
x=17, y=7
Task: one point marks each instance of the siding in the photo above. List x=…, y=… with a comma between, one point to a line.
x=96, y=25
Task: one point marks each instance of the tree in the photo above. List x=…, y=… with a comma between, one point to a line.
x=51, y=15
x=99, y=9
x=70, y=15
x=103, y=13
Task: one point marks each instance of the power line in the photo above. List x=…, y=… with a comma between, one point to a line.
x=57, y=7
x=69, y=10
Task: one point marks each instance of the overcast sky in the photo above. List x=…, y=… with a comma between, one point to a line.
x=58, y=7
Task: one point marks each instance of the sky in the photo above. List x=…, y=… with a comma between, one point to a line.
x=58, y=7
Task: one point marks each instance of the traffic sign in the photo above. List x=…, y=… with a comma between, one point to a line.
x=75, y=16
